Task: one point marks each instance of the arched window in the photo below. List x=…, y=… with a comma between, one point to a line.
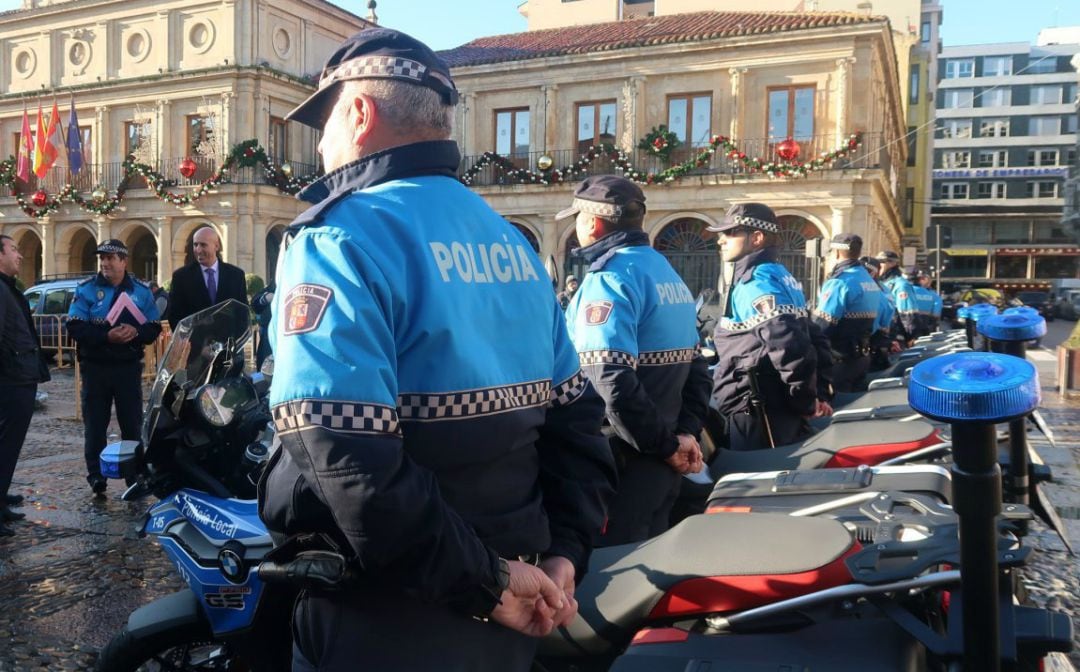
x=273, y=249
x=573, y=265
x=691, y=249
x=794, y=232
x=143, y=261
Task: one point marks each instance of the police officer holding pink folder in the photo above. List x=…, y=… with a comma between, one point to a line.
x=112, y=318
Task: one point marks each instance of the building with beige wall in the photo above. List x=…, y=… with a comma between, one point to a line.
x=165, y=80
x=757, y=78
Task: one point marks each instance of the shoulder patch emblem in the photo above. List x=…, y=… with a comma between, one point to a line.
x=597, y=312
x=305, y=306
x=765, y=304
x=825, y=294
x=901, y=295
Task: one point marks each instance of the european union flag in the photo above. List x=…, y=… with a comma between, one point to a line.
x=74, y=141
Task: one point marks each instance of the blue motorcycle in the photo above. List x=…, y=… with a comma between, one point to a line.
x=206, y=437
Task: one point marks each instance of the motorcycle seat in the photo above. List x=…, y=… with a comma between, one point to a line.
x=892, y=396
x=846, y=444
x=703, y=565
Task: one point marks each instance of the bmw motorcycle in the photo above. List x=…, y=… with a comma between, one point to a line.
x=204, y=441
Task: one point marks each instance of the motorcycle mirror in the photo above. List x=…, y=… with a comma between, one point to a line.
x=552, y=270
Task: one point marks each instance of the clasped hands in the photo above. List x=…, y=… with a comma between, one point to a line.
x=122, y=333
x=538, y=598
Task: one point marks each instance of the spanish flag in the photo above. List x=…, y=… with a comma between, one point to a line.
x=44, y=150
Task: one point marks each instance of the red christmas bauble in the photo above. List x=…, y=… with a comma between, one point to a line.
x=188, y=167
x=40, y=198
x=788, y=150
x=659, y=143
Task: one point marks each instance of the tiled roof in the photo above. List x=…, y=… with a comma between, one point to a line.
x=645, y=31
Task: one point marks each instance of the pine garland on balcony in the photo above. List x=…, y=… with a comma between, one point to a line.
x=718, y=143
x=243, y=155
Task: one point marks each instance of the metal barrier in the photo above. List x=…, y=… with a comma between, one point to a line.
x=53, y=336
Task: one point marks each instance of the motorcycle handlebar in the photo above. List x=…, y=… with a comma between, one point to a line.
x=323, y=570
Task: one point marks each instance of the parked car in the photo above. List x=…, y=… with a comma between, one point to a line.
x=1068, y=305
x=49, y=302
x=1040, y=301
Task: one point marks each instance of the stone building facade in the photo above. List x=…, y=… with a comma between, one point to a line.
x=544, y=96
x=166, y=80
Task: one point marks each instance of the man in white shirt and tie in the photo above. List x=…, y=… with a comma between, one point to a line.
x=206, y=281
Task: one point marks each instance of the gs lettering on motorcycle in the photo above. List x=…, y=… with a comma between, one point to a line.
x=484, y=263
x=228, y=597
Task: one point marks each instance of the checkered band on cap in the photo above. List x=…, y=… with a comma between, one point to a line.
x=840, y=246
x=664, y=357
x=616, y=357
x=338, y=416
x=367, y=67
x=472, y=403
x=598, y=209
x=570, y=390
x=111, y=248
x=755, y=223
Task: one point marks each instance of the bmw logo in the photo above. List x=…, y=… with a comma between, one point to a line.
x=232, y=564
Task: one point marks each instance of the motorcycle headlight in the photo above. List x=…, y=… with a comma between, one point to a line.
x=208, y=403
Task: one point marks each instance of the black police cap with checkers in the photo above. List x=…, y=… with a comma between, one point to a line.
x=113, y=246
x=844, y=241
x=604, y=196
x=749, y=215
x=375, y=53
x=888, y=255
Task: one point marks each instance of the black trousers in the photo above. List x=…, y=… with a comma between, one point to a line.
x=746, y=432
x=641, y=507
x=102, y=385
x=361, y=632
x=16, y=407
x=848, y=373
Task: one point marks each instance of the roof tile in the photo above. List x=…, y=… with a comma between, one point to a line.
x=639, y=32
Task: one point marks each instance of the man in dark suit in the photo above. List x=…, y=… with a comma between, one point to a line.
x=206, y=281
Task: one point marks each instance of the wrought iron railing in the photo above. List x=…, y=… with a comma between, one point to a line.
x=874, y=152
x=109, y=175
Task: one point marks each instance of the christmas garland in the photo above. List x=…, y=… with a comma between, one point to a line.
x=718, y=143
x=244, y=155
x=660, y=141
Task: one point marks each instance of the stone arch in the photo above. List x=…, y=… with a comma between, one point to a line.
x=691, y=249
x=80, y=241
x=658, y=225
x=528, y=230
x=795, y=230
x=28, y=241
x=275, y=235
x=823, y=229
x=142, y=243
x=568, y=241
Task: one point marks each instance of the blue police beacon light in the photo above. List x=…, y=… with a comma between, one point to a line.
x=1020, y=309
x=974, y=387
x=1013, y=326
x=962, y=312
x=981, y=310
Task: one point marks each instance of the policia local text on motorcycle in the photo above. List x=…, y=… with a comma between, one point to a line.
x=467, y=493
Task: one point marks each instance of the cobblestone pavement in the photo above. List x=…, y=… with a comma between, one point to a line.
x=76, y=569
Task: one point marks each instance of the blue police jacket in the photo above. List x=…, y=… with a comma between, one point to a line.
x=906, y=322
x=847, y=308
x=937, y=303
x=765, y=325
x=886, y=311
x=88, y=320
x=430, y=407
x=924, y=299
x=634, y=325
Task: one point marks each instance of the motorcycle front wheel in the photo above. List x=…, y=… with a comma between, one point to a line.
x=184, y=648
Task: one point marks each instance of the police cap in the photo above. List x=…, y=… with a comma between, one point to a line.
x=888, y=255
x=375, y=53
x=845, y=241
x=604, y=196
x=113, y=246
x=870, y=263
x=751, y=215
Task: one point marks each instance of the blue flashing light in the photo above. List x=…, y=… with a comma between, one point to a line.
x=1013, y=326
x=981, y=310
x=974, y=387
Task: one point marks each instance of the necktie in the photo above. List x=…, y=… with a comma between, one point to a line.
x=211, y=285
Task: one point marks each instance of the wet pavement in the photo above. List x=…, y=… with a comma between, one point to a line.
x=76, y=569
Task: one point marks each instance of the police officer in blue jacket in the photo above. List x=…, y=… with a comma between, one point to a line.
x=905, y=324
x=431, y=412
x=924, y=283
x=881, y=341
x=634, y=324
x=766, y=380
x=110, y=346
x=924, y=300
x=847, y=309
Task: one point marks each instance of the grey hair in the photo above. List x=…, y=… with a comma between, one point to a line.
x=408, y=108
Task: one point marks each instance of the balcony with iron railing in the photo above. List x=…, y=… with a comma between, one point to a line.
x=109, y=175
x=874, y=152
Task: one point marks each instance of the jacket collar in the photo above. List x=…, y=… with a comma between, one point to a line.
x=744, y=268
x=600, y=252
x=890, y=274
x=9, y=280
x=843, y=266
x=438, y=157
x=127, y=284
